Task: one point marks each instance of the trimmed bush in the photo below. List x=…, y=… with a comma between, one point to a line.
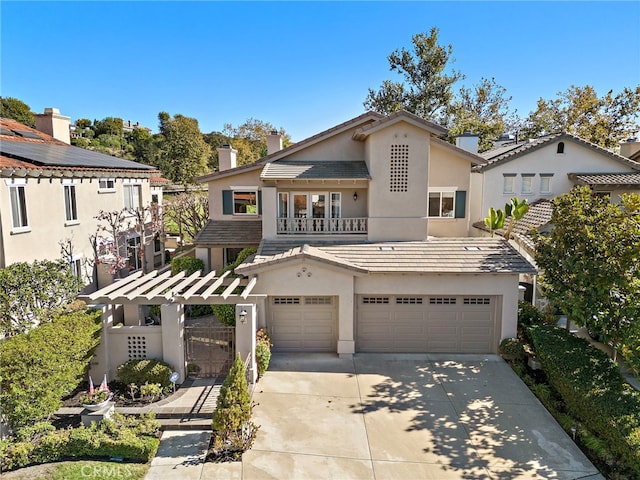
x=593, y=390
x=126, y=437
x=512, y=349
x=233, y=408
x=263, y=350
x=41, y=367
x=528, y=314
x=148, y=370
x=190, y=264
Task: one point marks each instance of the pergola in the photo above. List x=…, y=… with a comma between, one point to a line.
x=158, y=288
x=172, y=293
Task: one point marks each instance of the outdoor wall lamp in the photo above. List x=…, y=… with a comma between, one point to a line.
x=355, y=196
x=243, y=316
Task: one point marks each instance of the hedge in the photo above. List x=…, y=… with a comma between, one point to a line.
x=144, y=371
x=592, y=388
x=41, y=367
x=190, y=264
x=129, y=438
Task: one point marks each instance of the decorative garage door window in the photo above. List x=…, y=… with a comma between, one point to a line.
x=317, y=301
x=476, y=301
x=442, y=301
x=409, y=300
x=286, y=300
x=136, y=347
x=376, y=300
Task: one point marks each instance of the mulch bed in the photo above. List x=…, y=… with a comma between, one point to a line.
x=120, y=396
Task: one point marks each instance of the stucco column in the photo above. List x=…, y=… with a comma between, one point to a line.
x=203, y=254
x=346, y=321
x=510, y=310
x=172, y=321
x=269, y=212
x=246, y=336
x=100, y=364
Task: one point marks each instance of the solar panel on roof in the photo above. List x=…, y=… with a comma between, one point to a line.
x=67, y=156
x=27, y=134
x=6, y=131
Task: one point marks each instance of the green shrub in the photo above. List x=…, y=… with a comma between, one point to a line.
x=592, y=389
x=512, y=349
x=41, y=367
x=151, y=391
x=528, y=314
x=190, y=264
x=227, y=313
x=148, y=370
x=233, y=409
x=127, y=437
x=263, y=350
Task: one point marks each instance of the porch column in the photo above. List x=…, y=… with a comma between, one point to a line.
x=246, y=336
x=346, y=342
x=269, y=212
x=172, y=322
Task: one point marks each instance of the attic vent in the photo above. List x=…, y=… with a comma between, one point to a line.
x=472, y=249
x=399, y=168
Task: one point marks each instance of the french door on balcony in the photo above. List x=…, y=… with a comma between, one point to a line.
x=309, y=211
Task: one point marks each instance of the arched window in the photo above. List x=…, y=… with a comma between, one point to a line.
x=560, y=147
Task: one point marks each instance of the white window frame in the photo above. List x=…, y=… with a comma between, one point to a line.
x=508, y=183
x=132, y=252
x=107, y=188
x=329, y=210
x=70, y=204
x=530, y=177
x=129, y=198
x=75, y=263
x=440, y=192
x=19, y=215
x=250, y=191
x=546, y=177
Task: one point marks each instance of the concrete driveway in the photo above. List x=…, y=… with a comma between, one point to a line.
x=402, y=417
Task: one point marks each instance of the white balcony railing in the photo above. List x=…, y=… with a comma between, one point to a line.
x=321, y=226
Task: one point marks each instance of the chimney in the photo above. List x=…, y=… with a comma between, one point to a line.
x=467, y=141
x=226, y=158
x=54, y=124
x=274, y=142
x=629, y=147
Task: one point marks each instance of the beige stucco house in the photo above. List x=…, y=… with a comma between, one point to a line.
x=363, y=241
x=51, y=192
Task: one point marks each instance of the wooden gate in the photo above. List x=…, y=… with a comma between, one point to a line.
x=209, y=349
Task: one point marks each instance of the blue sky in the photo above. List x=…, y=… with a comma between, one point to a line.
x=303, y=66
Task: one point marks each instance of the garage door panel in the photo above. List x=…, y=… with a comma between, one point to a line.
x=299, y=326
x=445, y=324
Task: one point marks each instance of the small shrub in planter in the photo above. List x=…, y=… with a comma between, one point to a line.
x=512, y=349
x=144, y=371
x=151, y=391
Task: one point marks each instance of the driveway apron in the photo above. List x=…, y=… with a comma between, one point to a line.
x=387, y=416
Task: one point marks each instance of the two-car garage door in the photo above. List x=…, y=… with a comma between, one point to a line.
x=303, y=324
x=452, y=324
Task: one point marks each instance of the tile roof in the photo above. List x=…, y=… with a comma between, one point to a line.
x=230, y=233
x=510, y=151
x=538, y=217
x=360, y=119
x=308, y=170
x=400, y=115
x=39, y=154
x=437, y=255
x=607, y=179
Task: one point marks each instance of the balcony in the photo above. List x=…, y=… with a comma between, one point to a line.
x=322, y=226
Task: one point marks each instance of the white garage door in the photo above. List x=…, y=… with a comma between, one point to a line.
x=303, y=324
x=423, y=324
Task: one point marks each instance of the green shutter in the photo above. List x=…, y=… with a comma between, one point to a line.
x=461, y=203
x=259, y=202
x=227, y=202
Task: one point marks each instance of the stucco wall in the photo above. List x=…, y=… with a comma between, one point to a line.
x=46, y=217
x=338, y=147
x=217, y=186
x=575, y=159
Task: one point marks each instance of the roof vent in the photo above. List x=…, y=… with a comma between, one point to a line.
x=472, y=249
x=387, y=248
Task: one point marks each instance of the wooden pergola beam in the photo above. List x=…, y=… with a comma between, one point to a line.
x=210, y=276
x=114, y=286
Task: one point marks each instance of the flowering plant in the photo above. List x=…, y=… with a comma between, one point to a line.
x=96, y=396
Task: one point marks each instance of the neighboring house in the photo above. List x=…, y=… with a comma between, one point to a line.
x=546, y=167
x=51, y=192
x=363, y=241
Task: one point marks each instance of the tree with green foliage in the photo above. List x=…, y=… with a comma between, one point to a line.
x=17, y=110
x=483, y=110
x=183, y=153
x=32, y=293
x=189, y=212
x=83, y=123
x=591, y=260
x=144, y=146
x=605, y=121
x=427, y=89
x=109, y=126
